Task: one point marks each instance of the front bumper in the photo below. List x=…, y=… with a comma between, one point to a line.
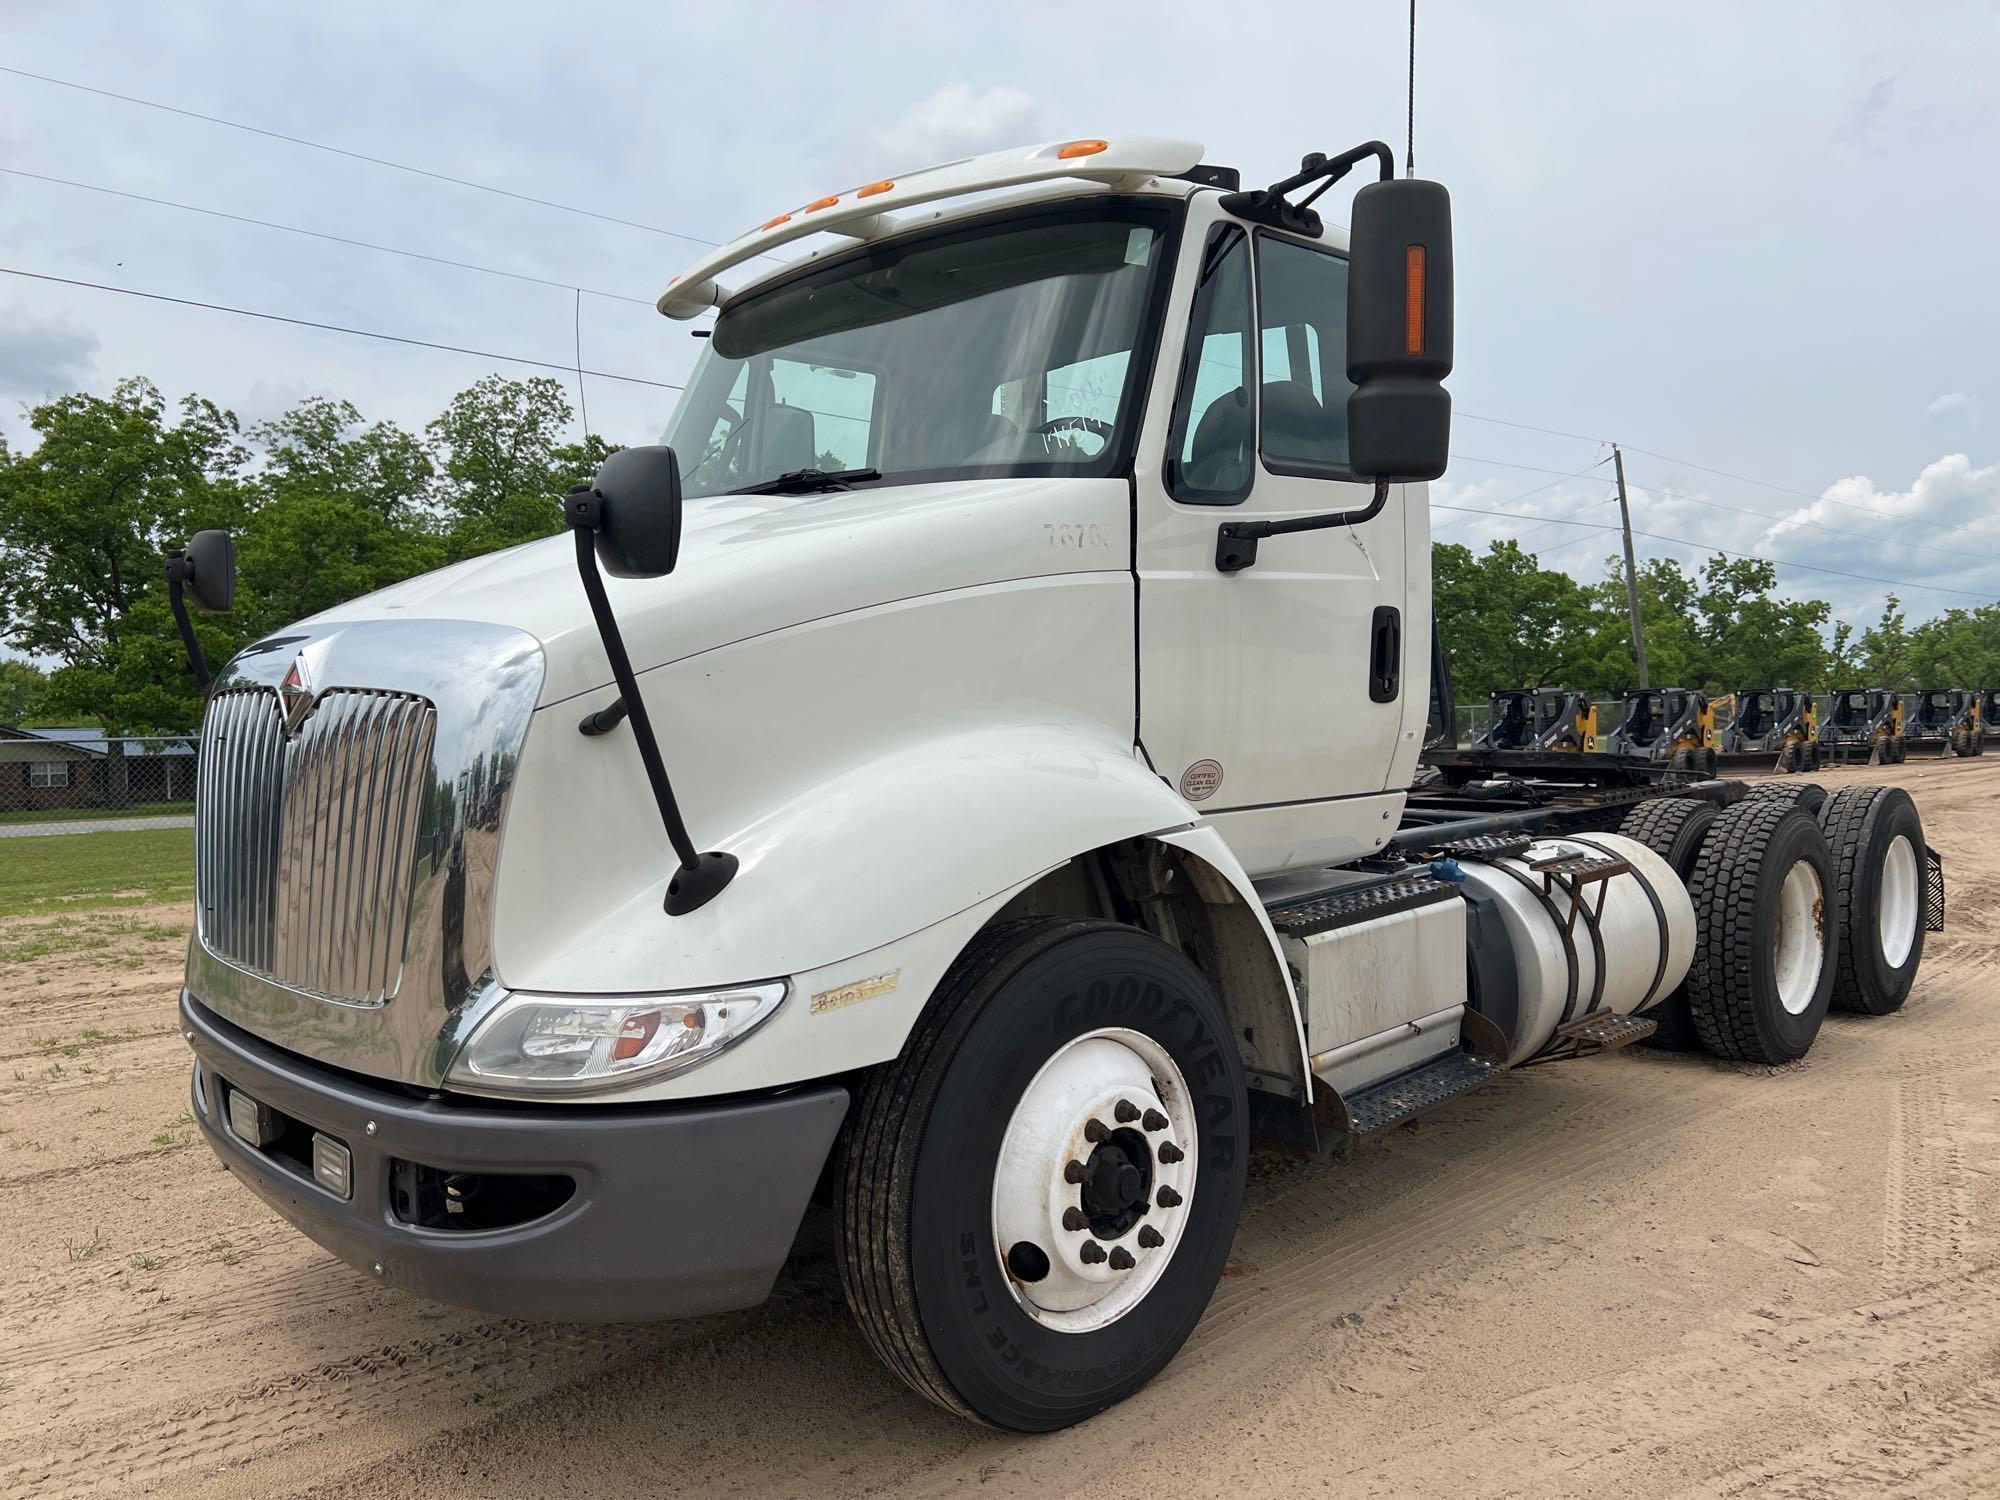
x=676, y=1210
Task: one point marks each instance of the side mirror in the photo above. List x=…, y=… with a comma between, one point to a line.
x=635, y=511
x=207, y=566
x=205, y=569
x=1399, y=330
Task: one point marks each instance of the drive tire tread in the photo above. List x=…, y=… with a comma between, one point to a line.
x=1674, y=828
x=1723, y=981
x=1848, y=820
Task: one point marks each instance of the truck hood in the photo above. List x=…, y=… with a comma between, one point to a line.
x=750, y=564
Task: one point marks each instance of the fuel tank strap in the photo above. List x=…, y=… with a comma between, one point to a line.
x=1659, y=914
x=1562, y=931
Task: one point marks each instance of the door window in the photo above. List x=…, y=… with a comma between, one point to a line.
x=1302, y=318
x=1209, y=441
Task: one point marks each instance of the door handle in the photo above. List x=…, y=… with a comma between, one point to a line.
x=1385, y=662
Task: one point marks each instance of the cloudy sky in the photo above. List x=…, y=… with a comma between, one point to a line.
x=1749, y=242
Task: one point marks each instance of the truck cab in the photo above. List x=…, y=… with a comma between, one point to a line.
x=960, y=774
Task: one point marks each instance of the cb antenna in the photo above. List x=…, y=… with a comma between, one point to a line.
x=1410, y=114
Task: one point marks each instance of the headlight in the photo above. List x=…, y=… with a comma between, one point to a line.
x=541, y=1044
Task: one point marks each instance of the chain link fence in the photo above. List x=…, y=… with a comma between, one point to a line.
x=81, y=780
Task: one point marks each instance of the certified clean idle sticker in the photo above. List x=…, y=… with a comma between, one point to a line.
x=1201, y=780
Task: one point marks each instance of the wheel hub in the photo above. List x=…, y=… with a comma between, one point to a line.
x=1094, y=1178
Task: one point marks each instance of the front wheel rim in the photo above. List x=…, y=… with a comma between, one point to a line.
x=1896, y=904
x=1095, y=1180
x=1800, y=946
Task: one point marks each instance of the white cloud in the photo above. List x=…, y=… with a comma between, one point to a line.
x=959, y=120
x=42, y=356
x=1952, y=404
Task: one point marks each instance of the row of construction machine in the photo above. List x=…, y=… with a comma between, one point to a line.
x=1772, y=729
x=1672, y=733
x=1949, y=721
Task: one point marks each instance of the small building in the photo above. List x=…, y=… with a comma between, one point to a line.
x=44, y=770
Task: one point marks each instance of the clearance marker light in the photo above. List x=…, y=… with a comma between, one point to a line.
x=1413, y=300
x=1082, y=148
x=874, y=188
x=818, y=203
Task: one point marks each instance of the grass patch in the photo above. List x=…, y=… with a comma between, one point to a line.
x=85, y=814
x=128, y=868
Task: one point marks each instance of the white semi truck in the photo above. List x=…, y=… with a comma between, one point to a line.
x=960, y=776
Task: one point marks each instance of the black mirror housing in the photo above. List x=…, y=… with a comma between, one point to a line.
x=638, y=523
x=1399, y=330
x=211, y=571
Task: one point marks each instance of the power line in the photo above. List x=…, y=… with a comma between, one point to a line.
x=1467, y=458
x=364, y=333
x=378, y=161
x=1783, y=489
x=336, y=239
x=1551, y=484
x=1864, y=536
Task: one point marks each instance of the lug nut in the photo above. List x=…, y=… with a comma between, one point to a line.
x=1170, y=1153
x=1091, y=1253
x=1168, y=1198
x=1126, y=1112
x=1150, y=1238
x=1154, y=1120
x=1074, y=1172
x=1075, y=1219
x=1095, y=1131
x=1121, y=1259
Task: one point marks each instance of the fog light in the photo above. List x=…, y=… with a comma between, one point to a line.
x=332, y=1165
x=250, y=1120
x=538, y=1043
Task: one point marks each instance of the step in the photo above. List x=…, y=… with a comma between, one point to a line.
x=1586, y=1036
x=1395, y=1100
x=1325, y=913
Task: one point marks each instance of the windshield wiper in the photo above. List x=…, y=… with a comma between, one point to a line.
x=805, y=481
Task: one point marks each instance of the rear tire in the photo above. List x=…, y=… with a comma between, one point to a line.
x=1673, y=828
x=944, y=1157
x=1877, y=839
x=1809, y=795
x=1764, y=958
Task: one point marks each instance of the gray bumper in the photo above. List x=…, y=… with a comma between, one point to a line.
x=676, y=1210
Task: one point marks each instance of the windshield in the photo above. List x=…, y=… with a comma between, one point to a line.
x=1005, y=348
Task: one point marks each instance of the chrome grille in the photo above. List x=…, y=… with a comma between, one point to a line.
x=305, y=845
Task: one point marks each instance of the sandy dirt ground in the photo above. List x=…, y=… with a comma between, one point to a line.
x=1635, y=1275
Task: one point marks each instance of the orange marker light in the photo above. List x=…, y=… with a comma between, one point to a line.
x=1413, y=300
x=818, y=203
x=1082, y=148
x=874, y=187
x=774, y=223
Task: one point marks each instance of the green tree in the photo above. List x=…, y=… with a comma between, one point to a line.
x=1506, y=620
x=502, y=467
x=22, y=684
x=84, y=518
x=341, y=509
x=1885, y=648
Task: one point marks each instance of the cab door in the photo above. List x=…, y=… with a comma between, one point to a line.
x=1279, y=700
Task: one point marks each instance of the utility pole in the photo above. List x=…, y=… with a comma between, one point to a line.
x=1631, y=569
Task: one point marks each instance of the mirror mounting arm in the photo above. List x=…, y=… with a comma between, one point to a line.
x=1269, y=205
x=701, y=877
x=179, y=571
x=1236, y=541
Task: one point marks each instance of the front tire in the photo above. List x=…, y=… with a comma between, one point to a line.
x=1073, y=1088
